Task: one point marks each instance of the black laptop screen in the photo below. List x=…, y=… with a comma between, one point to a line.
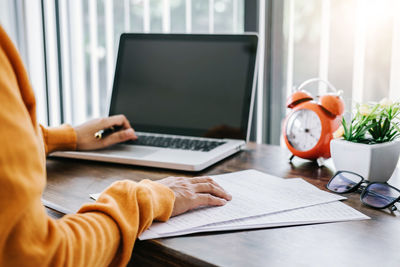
x=198, y=85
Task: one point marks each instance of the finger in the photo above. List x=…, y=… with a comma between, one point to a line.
x=120, y=136
x=212, y=189
x=201, y=179
x=119, y=120
x=208, y=200
x=204, y=179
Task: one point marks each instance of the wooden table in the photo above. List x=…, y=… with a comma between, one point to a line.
x=374, y=242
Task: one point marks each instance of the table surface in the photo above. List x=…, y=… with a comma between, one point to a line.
x=357, y=243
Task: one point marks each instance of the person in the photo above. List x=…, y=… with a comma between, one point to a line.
x=101, y=233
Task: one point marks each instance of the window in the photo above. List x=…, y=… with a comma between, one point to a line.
x=355, y=44
x=80, y=40
x=69, y=47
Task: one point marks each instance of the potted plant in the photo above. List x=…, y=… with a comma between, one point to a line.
x=367, y=143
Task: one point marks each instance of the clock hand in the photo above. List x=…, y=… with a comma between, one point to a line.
x=308, y=131
x=313, y=136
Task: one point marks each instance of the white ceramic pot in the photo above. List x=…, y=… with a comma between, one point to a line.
x=375, y=163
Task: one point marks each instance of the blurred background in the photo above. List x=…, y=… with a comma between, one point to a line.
x=70, y=46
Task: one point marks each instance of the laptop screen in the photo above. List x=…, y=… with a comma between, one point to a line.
x=197, y=85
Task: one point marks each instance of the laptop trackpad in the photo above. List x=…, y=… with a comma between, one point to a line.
x=128, y=151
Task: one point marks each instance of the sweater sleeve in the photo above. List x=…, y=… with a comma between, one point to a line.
x=58, y=138
x=133, y=208
x=104, y=232
x=101, y=234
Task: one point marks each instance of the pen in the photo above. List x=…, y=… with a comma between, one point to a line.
x=105, y=132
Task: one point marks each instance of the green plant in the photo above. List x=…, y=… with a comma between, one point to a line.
x=373, y=123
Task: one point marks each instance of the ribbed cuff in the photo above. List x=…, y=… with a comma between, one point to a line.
x=164, y=199
x=60, y=138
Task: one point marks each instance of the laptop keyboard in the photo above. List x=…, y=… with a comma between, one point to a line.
x=175, y=142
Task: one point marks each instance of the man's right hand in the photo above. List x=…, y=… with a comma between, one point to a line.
x=191, y=193
x=85, y=133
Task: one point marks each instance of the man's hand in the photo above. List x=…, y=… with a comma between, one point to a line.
x=85, y=133
x=191, y=193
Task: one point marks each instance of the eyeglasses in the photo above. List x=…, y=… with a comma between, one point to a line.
x=375, y=195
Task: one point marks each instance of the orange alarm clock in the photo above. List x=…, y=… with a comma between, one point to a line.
x=309, y=127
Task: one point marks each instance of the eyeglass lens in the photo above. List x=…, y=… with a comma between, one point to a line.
x=344, y=182
x=379, y=195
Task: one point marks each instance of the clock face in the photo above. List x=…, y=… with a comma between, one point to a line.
x=303, y=129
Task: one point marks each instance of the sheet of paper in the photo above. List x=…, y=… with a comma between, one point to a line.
x=328, y=212
x=254, y=193
x=323, y=213
x=259, y=201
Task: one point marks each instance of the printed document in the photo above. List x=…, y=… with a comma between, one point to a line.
x=258, y=200
x=323, y=213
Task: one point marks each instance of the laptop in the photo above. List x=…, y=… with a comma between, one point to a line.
x=189, y=98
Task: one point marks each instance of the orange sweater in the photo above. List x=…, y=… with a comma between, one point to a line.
x=100, y=234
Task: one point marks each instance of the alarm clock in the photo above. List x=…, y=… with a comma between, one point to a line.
x=309, y=126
